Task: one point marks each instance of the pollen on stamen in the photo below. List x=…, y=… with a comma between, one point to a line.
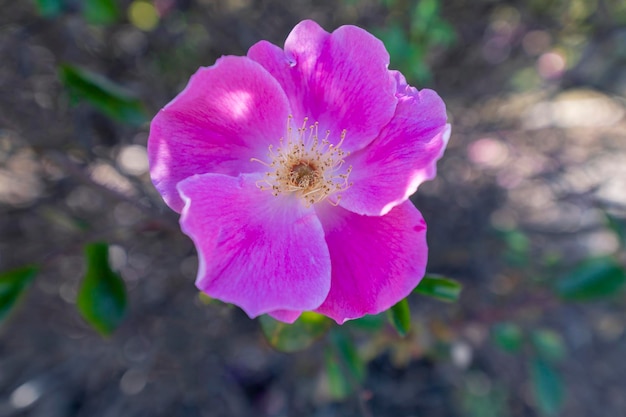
x=305, y=165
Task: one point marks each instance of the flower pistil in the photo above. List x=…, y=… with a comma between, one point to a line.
x=306, y=165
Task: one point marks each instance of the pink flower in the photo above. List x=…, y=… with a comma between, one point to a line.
x=292, y=171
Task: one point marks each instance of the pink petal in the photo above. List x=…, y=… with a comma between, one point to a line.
x=260, y=252
x=227, y=114
x=376, y=261
x=340, y=80
x=285, y=315
x=403, y=156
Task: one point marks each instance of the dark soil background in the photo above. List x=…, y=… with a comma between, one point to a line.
x=535, y=92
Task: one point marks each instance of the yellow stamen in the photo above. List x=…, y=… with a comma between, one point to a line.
x=305, y=165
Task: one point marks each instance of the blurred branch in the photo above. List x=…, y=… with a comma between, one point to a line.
x=76, y=172
x=152, y=219
x=540, y=303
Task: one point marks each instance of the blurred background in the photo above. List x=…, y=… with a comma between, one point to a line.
x=528, y=213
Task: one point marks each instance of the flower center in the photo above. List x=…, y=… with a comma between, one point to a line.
x=306, y=165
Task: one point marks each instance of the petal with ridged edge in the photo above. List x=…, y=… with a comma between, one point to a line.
x=376, y=260
x=339, y=79
x=228, y=113
x=257, y=251
x=403, y=156
x=285, y=316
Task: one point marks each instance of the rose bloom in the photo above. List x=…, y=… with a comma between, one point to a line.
x=292, y=170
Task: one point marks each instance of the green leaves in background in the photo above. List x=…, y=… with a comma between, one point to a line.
x=482, y=396
x=443, y=289
x=517, y=247
x=49, y=8
x=593, y=279
x=400, y=317
x=369, y=323
x=618, y=226
x=428, y=27
x=508, y=336
x=547, y=387
x=100, y=12
x=97, y=12
x=13, y=284
x=548, y=345
x=106, y=96
x=339, y=386
x=348, y=355
x=297, y=336
x=409, y=57
x=344, y=367
x=548, y=348
x=427, y=31
x=102, y=294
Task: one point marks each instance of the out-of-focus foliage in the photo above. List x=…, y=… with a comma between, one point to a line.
x=312, y=326
x=13, y=285
x=414, y=30
x=297, y=336
x=344, y=366
x=548, y=345
x=400, y=317
x=95, y=12
x=593, y=279
x=618, y=226
x=367, y=323
x=517, y=247
x=106, y=96
x=102, y=294
x=547, y=387
x=508, y=336
x=49, y=8
x=480, y=400
x=441, y=288
x=338, y=385
x=100, y=12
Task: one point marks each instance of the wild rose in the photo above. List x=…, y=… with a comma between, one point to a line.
x=292, y=170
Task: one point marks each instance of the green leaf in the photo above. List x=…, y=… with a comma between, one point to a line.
x=102, y=294
x=400, y=317
x=425, y=11
x=49, y=8
x=480, y=397
x=344, y=366
x=106, y=96
x=100, y=12
x=338, y=385
x=442, y=33
x=548, y=345
x=518, y=246
x=368, y=323
x=593, y=279
x=394, y=38
x=390, y=4
x=618, y=226
x=297, y=336
x=547, y=387
x=348, y=355
x=508, y=336
x=443, y=289
x=13, y=285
